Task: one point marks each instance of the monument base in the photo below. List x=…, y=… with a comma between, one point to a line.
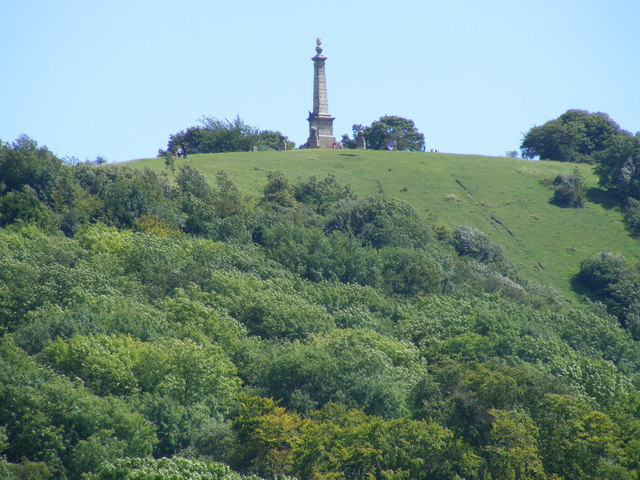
x=320, y=131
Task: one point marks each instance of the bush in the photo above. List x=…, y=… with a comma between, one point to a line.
x=24, y=206
x=632, y=216
x=380, y=222
x=603, y=270
x=224, y=136
x=469, y=241
x=569, y=189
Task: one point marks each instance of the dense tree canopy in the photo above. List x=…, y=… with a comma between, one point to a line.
x=619, y=167
x=179, y=330
x=575, y=136
x=215, y=136
x=388, y=132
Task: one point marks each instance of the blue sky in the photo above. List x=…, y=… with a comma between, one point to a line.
x=116, y=78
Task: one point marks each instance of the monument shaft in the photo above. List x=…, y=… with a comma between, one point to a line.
x=320, y=102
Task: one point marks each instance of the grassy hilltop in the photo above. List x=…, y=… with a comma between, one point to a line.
x=506, y=198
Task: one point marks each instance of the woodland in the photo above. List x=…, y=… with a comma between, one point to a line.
x=158, y=326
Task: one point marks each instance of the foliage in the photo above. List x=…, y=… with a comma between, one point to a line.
x=127, y=194
x=321, y=195
x=24, y=163
x=618, y=167
x=469, y=241
x=47, y=417
x=381, y=221
x=180, y=370
x=402, y=132
x=175, y=468
x=268, y=434
x=632, y=216
x=278, y=191
x=341, y=443
x=513, y=446
x=356, y=368
x=575, y=136
x=581, y=442
x=309, y=332
x=612, y=280
x=24, y=206
x=216, y=136
x=570, y=189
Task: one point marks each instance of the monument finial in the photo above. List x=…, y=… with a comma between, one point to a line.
x=318, y=45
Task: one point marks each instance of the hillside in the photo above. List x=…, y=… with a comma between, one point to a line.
x=167, y=327
x=503, y=197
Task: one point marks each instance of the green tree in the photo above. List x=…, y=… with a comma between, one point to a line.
x=579, y=443
x=381, y=221
x=618, y=167
x=126, y=194
x=611, y=279
x=216, y=136
x=278, y=190
x=632, y=216
x=24, y=206
x=513, y=447
x=175, y=468
x=191, y=181
x=321, y=195
x=338, y=443
x=24, y=163
x=411, y=271
x=357, y=368
x=402, y=132
x=267, y=433
x=575, y=136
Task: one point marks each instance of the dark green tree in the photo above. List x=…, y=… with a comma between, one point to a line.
x=381, y=221
x=615, y=282
x=402, y=132
x=632, y=216
x=24, y=163
x=618, y=167
x=216, y=136
x=575, y=136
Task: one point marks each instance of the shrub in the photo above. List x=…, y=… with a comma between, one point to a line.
x=603, y=270
x=469, y=241
x=632, y=216
x=381, y=221
x=569, y=189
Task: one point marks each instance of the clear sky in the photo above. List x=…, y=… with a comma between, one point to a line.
x=115, y=78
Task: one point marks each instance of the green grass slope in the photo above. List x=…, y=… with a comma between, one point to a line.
x=505, y=198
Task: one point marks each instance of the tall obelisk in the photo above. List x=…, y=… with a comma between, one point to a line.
x=320, y=121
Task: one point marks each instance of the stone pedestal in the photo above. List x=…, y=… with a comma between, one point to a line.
x=320, y=121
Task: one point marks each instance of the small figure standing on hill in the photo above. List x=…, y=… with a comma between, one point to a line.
x=179, y=152
x=184, y=152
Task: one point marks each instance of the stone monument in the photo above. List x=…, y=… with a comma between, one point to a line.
x=361, y=143
x=282, y=144
x=320, y=122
